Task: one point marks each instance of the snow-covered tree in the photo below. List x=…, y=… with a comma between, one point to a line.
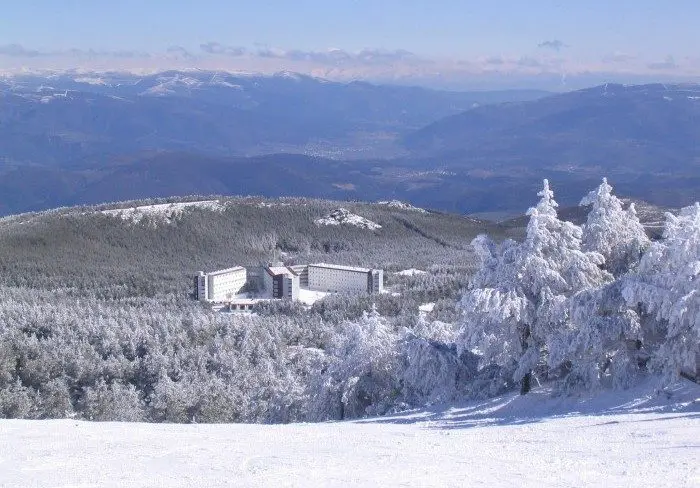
x=612, y=231
x=115, y=402
x=603, y=332
x=601, y=340
x=363, y=373
x=516, y=305
x=666, y=286
x=433, y=370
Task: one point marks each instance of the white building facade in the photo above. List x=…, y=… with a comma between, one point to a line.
x=281, y=282
x=334, y=278
x=220, y=286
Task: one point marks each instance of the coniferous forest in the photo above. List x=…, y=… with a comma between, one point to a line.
x=97, y=320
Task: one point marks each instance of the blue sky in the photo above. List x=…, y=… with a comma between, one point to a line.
x=564, y=37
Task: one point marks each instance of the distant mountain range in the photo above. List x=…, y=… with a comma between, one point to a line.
x=613, y=128
x=67, y=119
x=72, y=139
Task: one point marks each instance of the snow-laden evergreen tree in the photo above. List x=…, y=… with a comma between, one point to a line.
x=115, y=402
x=612, y=231
x=666, y=286
x=602, y=337
x=432, y=368
x=600, y=344
x=516, y=306
x=363, y=373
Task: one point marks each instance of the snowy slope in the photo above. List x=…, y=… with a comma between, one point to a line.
x=167, y=212
x=633, y=439
x=401, y=205
x=341, y=216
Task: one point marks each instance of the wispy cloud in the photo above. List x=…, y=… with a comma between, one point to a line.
x=494, y=60
x=667, y=64
x=618, y=57
x=554, y=44
x=17, y=50
x=338, y=56
x=533, y=69
x=178, y=52
x=220, y=49
x=528, y=62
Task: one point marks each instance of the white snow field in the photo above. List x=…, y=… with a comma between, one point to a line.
x=634, y=438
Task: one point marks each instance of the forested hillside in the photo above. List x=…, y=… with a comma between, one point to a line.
x=96, y=320
x=614, y=128
x=109, y=251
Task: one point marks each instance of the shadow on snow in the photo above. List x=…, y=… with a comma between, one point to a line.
x=683, y=398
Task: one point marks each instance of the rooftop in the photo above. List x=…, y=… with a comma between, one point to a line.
x=341, y=267
x=227, y=270
x=246, y=301
x=278, y=270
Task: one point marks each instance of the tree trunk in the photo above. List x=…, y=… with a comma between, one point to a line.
x=525, y=382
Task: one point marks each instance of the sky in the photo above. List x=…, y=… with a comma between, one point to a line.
x=438, y=42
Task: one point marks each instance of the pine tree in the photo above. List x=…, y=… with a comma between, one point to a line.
x=602, y=338
x=612, y=231
x=666, y=287
x=603, y=330
x=363, y=370
x=516, y=306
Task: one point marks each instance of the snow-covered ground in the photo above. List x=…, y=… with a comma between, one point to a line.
x=411, y=272
x=635, y=438
x=306, y=297
x=165, y=211
x=401, y=205
x=341, y=216
x=91, y=80
x=309, y=297
x=273, y=204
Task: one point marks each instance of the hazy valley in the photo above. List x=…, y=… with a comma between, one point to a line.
x=82, y=139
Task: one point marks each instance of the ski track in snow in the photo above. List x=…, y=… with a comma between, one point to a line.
x=497, y=442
